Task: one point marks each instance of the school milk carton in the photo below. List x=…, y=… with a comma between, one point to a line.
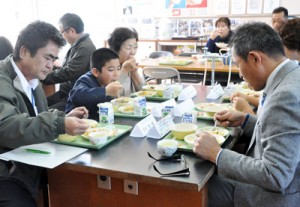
x=106, y=113
x=166, y=110
x=140, y=106
x=189, y=117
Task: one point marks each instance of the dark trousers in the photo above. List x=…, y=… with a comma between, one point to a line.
x=13, y=194
x=221, y=192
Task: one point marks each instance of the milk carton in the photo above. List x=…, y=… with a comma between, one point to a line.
x=166, y=110
x=189, y=117
x=106, y=113
x=140, y=106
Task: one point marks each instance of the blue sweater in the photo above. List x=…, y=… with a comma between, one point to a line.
x=87, y=92
x=212, y=47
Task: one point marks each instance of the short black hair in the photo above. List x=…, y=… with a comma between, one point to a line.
x=256, y=36
x=37, y=35
x=69, y=20
x=290, y=34
x=101, y=56
x=6, y=47
x=226, y=20
x=281, y=9
x=119, y=36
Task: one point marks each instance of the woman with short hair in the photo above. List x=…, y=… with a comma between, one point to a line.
x=222, y=33
x=124, y=40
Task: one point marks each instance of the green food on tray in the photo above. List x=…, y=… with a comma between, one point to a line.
x=220, y=133
x=156, y=97
x=128, y=112
x=175, y=62
x=116, y=131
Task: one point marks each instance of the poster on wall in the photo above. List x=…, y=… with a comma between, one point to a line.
x=139, y=15
x=221, y=7
x=254, y=6
x=175, y=4
x=186, y=7
x=196, y=3
x=208, y=27
x=269, y=5
x=238, y=6
x=195, y=27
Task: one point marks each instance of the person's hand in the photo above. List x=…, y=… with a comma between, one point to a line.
x=239, y=95
x=75, y=126
x=130, y=65
x=214, y=34
x=114, y=89
x=240, y=104
x=228, y=118
x=79, y=112
x=206, y=146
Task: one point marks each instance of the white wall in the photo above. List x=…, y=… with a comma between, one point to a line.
x=100, y=17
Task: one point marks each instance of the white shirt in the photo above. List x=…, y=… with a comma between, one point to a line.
x=27, y=86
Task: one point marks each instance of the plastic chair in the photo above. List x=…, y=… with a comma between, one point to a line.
x=158, y=54
x=160, y=73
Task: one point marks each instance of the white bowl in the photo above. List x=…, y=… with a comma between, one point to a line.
x=221, y=45
x=98, y=137
x=167, y=147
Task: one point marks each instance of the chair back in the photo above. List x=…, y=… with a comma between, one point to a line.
x=187, y=54
x=158, y=54
x=160, y=73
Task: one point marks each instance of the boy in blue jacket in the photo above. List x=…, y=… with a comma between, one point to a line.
x=98, y=85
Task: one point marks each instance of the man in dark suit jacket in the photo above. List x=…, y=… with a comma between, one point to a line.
x=269, y=173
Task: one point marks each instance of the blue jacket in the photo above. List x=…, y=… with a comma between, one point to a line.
x=212, y=47
x=87, y=92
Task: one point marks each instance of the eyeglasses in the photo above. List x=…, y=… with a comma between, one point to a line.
x=174, y=158
x=65, y=30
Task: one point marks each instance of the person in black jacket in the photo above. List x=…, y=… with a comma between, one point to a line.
x=222, y=33
x=76, y=62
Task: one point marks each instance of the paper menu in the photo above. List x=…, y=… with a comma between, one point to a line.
x=186, y=93
x=161, y=128
x=216, y=92
x=58, y=154
x=142, y=128
x=185, y=106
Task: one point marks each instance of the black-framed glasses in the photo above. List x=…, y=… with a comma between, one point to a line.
x=174, y=158
x=65, y=30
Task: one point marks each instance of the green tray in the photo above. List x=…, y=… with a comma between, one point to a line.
x=130, y=115
x=202, y=115
x=82, y=142
x=184, y=146
x=156, y=97
x=176, y=62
